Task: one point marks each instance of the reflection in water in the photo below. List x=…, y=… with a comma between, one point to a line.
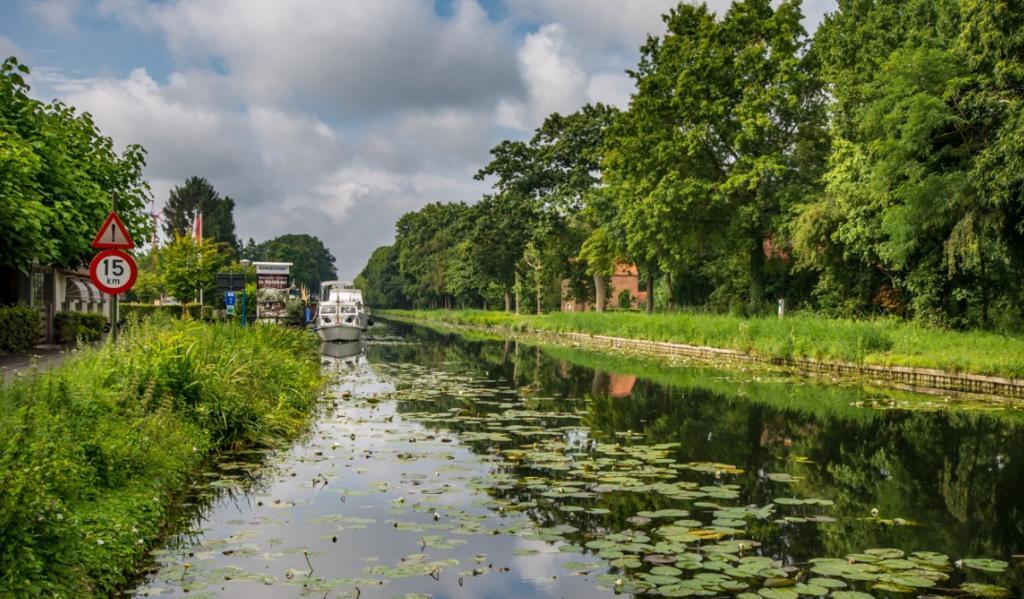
x=343, y=349
x=489, y=437
x=938, y=480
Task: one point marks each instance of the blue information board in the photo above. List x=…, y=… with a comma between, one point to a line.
x=229, y=298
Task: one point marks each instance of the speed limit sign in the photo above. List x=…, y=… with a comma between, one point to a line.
x=113, y=271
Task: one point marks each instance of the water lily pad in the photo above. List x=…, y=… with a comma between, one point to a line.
x=986, y=565
x=984, y=590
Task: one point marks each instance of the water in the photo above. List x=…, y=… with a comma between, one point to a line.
x=453, y=467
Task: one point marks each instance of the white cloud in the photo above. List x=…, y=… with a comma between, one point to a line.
x=554, y=80
x=611, y=88
x=342, y=57
x=56, y=14
x=9, y=48
x=334, y=117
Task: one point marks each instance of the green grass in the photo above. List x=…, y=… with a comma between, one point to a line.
x=876, y=342
x=94, y=451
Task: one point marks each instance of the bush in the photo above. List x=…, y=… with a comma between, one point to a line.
x=130, y=311
x=19, y=328
x=625, y=300
x=93, y=452
x=72, y=327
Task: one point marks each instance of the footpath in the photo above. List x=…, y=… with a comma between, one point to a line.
x=40, y=358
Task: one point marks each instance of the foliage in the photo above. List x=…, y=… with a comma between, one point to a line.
x=186, y=267
x=874, y=169
x=194, y=196
x=92, y=452
x=19, y=328
x=886, y=342
x=921, y=215
x=381, y=280
x=311, y=261
x=72, y=327
x=192, y=311
x=58, y=174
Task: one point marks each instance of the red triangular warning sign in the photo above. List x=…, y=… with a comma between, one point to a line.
x=113, y=235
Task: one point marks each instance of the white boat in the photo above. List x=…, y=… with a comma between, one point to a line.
x=341, y=315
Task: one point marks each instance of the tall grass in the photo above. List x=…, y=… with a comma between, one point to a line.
x=93, y=450
x=878, y=342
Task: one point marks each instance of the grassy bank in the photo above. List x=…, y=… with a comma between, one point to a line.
x=93, y=451
x=878, y=342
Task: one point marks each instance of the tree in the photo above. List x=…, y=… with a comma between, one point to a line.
x=198, y=195
x=723, y=137
x=557, y=170
x=311, y=261
x=501, y=232
x=58, y=174
x=426, y=245
x=186, y=267
x=381, y=281
x=923, y=207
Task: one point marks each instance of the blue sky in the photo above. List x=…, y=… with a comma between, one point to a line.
x=329, y=117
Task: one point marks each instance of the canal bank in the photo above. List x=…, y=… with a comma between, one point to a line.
x=96, y=450
x=448, y=465
x=986, y=353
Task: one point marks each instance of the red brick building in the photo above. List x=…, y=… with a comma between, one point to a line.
x=625, y=278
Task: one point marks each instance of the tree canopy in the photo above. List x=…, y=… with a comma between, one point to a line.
x=876, y=168
x=194, y=196
x=58, y=175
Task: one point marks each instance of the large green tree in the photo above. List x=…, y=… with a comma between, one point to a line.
x=426, y=245
x=381, y=280
x=186, y=267
x=923, y=209
x=723, y=137
x=558, y=170
x=198, y=195
x=312, y=262
x=58, y=174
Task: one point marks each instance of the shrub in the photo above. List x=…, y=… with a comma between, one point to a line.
x=19, y=328
x=625, y=300
x=129, y=311
x=72, y=327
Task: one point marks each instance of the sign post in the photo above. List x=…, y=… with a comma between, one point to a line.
x=229, y=302
x=113, y=271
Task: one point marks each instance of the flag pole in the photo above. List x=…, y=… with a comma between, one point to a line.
x=199, y=242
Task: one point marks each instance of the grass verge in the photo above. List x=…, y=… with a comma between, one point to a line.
x=94, y=451
x=876, y=342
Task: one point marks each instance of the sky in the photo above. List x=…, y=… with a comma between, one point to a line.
x=330, y=117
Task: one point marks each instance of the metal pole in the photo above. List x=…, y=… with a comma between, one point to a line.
x=245, y=271
x=113, y=305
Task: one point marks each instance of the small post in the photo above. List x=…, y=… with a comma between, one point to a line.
x=245, y=269
x=782, y=308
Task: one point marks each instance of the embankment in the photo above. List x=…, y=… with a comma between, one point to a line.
x=885, y=350
x=95, y=451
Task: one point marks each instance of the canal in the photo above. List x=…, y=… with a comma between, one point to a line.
x=445, y=466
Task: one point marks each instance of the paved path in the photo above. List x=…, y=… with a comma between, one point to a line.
x=41, y=357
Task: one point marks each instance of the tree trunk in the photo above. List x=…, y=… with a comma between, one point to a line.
x=983, y=281
x=536, y=276
x=517, y=293
x=671, y=292
x=599, y=296
x=508, y=301
x=650, y=293
x=756, y=276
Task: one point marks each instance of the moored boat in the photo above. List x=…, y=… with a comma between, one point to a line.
x=341, y=315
